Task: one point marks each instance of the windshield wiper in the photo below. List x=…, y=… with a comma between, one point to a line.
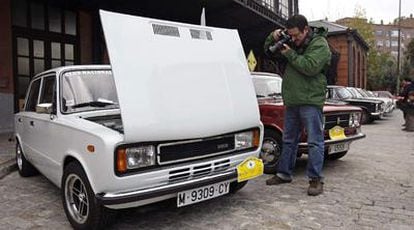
x=274, y=95
x=257, y=95
x=93, y=104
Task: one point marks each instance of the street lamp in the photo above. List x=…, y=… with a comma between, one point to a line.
x=399, y=48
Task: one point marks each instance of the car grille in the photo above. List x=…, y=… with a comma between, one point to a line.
x=332, y=120
x=194, y=149
x=199, y=170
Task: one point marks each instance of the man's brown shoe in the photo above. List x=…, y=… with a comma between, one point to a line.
x=315, y=187
x=275, y=180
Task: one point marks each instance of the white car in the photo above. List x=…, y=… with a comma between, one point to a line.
x=174, y=116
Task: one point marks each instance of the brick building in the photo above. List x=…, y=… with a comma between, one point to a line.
x=36, y=35
x=386, y=36
x=352, y=49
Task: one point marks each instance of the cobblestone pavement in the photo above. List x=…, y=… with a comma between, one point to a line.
x=7, y=162
x=370, y=188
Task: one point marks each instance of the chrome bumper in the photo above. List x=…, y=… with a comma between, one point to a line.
x=109, y=199
x=331, y=142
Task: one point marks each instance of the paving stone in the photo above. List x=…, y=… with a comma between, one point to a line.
x=372, y=187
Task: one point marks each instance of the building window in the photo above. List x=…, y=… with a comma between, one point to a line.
x=70, y=22
x=379, y=33
x=283, y=8
x=394, y=43
x=37, y=16
x=55, y=20
x=380, y=43
x=44, y=37
x=18, y=17
x=270, y=4
x=394, y=33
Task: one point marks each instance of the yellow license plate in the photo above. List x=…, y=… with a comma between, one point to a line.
x=337, y=133
x=250, y=168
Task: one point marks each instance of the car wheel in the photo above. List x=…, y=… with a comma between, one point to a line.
x=271, y=150
x=336, y=156
x=24, y=167
x=81, y=207
x=236, y=186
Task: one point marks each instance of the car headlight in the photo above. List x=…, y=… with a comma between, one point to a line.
x=248, y=139
x=354, y=119
x=135, y=157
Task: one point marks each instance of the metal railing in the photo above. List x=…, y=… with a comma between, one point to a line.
x=263, y=8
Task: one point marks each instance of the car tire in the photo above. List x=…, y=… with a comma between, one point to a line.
x=24, y=167
x=236, y=186
x=271, y=150
x=336, y=156
x=81, y=207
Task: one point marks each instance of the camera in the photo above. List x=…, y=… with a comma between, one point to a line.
x=283, y=39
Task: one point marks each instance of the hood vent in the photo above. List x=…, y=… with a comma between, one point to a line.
x=201, y=34
x=166, y=30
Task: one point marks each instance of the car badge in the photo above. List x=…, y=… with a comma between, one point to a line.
x=222, y=146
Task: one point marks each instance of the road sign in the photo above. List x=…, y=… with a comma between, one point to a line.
x=251, y=61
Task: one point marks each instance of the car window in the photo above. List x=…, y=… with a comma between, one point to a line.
x=86, y=90
x=48, y=90
x=268, y=87
x=354, y=92
x=33, y=96
x=343, y=93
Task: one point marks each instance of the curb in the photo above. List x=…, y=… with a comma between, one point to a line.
x=7, y=167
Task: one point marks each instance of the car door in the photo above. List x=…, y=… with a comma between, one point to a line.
x=45, y=126
x=24, y=124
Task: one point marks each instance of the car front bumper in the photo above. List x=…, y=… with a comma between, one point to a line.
x=303, y=146
x=150, y=195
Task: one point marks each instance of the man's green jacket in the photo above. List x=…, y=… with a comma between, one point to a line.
x=304, y=81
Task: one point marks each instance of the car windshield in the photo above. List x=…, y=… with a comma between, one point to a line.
x=370, y=93
x=86, y=90
x=363, y=92
x=268, y=87
x=383, y=94
x=343, y=93
x=355, y=93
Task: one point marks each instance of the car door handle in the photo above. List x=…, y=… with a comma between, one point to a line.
x=31, y=123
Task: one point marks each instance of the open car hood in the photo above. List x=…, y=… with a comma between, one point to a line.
x=178, y=81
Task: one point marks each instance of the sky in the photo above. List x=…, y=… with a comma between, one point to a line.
x=387, y=10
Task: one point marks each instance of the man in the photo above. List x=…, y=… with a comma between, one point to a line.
x=407, y=86
x=307, y=57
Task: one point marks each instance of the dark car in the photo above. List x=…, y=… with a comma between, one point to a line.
x=371, y=109
x=342, y=123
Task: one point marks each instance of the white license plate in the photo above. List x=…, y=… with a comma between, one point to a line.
x=203, y=193
x=336, y=148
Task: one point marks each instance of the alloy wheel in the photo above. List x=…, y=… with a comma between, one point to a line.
x=77, y=200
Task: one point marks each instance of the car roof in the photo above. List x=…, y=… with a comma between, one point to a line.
x=71, y=67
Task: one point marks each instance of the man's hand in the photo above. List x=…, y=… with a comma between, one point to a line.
x=276, y=34
x=285, y=49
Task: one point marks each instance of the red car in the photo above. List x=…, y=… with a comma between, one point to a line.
x=342, y=122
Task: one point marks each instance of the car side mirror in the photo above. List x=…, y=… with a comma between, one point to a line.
x=46, y=108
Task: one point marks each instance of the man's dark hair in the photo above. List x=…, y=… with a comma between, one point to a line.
x=298, y=21
x=407, y=79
